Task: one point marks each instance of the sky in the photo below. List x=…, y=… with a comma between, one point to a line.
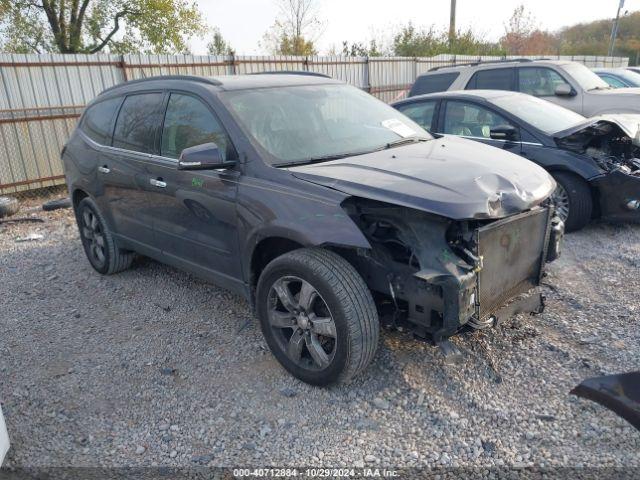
x=244, y=22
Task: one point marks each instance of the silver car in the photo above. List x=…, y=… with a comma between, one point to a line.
x=569, y=84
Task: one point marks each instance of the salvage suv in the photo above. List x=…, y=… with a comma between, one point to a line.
x=327, y=209
x=568, y=84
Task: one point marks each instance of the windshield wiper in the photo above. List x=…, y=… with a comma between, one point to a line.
x=338, y=156
x=599, y=88
x=404, y=141
x=324, y=158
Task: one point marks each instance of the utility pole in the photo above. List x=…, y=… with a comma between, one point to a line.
x=614, y=30
x=452, y=23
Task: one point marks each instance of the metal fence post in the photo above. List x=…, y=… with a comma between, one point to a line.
x=367, y=77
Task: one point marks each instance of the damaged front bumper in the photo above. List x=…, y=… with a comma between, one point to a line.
x=619, y=196
x=490, y=276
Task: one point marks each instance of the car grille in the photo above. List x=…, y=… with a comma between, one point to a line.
x=513, y=251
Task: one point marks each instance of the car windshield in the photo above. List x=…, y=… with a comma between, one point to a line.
x=632, y=78
x=302, y=124
x=587, y=79
x=545, y=116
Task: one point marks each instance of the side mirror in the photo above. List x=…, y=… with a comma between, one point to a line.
x=564, y=90
x=504, y=132
x=203, y=157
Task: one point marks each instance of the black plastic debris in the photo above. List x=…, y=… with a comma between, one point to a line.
x=619, y=393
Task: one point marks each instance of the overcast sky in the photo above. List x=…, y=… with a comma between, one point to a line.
x=244, y=22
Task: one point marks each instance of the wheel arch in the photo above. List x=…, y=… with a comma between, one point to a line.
x=274, y=241
x=595, y=192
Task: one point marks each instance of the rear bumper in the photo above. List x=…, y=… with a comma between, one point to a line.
x=619, y=196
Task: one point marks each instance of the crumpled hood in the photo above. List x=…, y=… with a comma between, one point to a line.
x=629, y=123
x=448, y=176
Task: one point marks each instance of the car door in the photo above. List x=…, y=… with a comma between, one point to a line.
x=542, y=82
x=123, y=167
x=422, y=112
x=471, y=120
x=194, y=212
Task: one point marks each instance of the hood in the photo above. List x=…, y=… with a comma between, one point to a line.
x=451, y=177
x=617, y=92
x=628, y=123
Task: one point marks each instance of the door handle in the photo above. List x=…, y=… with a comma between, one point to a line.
x=104, y=169
x=158, y=182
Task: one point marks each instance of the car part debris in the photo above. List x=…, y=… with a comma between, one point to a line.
x=8, y=206
x=56, y=204
x=619, y=393
x=32, y=237
x=22, y=220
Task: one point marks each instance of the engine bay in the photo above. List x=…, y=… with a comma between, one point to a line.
x=608, y=144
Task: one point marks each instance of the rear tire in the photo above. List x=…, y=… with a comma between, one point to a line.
x=574, y=195
x=317, y=316
x=99, y=245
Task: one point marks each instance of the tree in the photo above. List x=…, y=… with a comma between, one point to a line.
x=522, y=37
x=361, y=49
x=410, y=41
x=91, y=26
x=218, y=45
x=296, y=29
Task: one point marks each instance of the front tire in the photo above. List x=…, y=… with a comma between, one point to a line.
x=317, y=316
x=99, y=245
x=572, y=200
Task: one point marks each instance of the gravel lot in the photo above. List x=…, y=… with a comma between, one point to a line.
x=154, y=367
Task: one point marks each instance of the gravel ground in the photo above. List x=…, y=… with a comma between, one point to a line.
x=154, y=367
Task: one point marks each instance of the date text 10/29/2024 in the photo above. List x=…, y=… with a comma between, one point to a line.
x=315, y=473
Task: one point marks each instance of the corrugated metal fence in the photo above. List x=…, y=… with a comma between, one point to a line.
x=42, y=96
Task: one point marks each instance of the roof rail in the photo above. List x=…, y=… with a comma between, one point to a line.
x=193, y=78
x=481, y=62
x=292, y=72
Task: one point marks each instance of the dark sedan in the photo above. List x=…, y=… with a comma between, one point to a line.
x=595, y=161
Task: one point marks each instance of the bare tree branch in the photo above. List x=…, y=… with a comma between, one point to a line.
x=114, y=30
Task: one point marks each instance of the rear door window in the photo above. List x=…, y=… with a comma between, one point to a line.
x=492, y=79
x=138, y=122
x=189, y=122
x=432, y=83
x=539, y=81
x=98, y=120
x=420, y=112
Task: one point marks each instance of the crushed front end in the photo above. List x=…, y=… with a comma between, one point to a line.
x=438, y=275
x=613, y=143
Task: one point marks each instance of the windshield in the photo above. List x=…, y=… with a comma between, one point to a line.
x=584, y=77
x=543, y=115
x=301, y=124
x=632, y=78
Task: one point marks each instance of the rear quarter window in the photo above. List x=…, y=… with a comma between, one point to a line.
x=432, y=83
x=492, y=79
x=98, y=120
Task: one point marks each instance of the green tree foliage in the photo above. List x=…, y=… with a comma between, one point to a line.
x=218, y=45
x=411, y=41
x=361, y=49
x=593, y=38
x=91, y=26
